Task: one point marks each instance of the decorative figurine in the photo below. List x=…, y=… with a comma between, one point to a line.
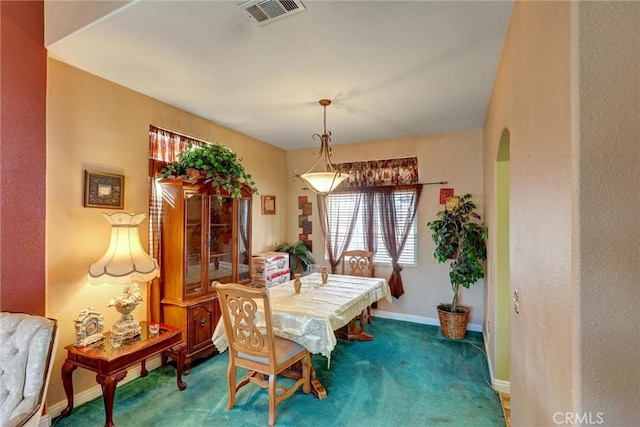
x=89, y=326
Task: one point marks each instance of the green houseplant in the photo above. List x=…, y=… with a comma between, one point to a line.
x=214, y=163
x=299, y=254
x=460, y=238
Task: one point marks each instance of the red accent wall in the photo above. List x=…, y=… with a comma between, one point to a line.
x=23, y=85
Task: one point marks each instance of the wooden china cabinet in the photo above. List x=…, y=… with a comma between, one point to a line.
x=204, y=238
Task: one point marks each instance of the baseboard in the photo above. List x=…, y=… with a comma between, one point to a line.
x=498, y=385
x=45, y=421
x=85, y=396
x=501, y=386
x=419, y=319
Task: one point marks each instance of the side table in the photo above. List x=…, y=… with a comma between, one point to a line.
x=110, y=364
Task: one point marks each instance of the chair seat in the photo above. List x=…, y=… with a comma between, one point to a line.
x=285, y=349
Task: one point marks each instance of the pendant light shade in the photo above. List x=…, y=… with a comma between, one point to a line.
x=323, y=182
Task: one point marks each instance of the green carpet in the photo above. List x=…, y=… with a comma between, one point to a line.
x=409, y=375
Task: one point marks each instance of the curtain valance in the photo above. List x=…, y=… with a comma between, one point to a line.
x=378, y=173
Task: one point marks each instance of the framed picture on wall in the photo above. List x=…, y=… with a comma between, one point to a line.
x=306, y=209
x=103, y=190
x=302, y=200
x=453, y=203
x=268, y=205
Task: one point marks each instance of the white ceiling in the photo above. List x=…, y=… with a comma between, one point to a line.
x=392, y=68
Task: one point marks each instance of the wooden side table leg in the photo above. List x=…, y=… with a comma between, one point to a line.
x=181, y=350
x=67, y=382
x=108, y=384
x=143, y=368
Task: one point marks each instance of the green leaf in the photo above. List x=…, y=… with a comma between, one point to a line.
x=224, y=168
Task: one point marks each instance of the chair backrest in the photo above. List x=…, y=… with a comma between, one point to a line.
x=247, y=327
x=27, y=348
x=357, y=263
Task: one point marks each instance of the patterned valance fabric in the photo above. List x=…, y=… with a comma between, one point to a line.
x=377, y=173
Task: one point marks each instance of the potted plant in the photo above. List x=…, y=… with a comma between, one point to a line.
x=215, y=164
x=460, y=238
x=299, y=254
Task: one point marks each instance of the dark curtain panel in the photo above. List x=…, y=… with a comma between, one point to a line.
x=395, y=235
x=371, y=243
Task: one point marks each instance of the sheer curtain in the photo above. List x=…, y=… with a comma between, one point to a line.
x=335, y=241
x=394, y=235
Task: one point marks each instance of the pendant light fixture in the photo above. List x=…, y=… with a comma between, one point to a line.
x=323, y=182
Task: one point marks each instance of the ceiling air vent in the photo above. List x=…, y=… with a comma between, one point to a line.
x=263, y=12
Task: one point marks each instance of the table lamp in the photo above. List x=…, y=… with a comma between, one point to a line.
x=124, y=263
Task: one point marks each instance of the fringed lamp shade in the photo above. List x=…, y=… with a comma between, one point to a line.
x=124, y=261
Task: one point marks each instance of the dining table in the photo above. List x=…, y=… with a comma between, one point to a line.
x=319, y=314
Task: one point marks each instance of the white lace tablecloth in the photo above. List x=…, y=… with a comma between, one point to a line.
x=310, y=317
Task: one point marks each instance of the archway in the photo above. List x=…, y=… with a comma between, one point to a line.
x=502, y=321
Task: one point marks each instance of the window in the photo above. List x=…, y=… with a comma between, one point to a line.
x=341, y=204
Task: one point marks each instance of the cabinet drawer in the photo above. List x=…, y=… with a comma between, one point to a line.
x=201, y=321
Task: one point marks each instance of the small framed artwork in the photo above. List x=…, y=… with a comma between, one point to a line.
x=301, y=220
x=103, y=190
x=444, y=194
x=453, y=203
x=308, y=244
x=302, y=200
x=268, y=205
x=303, y=237
x=307, y=227
x=306, y=209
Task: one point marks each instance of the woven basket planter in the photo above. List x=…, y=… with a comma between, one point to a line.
x=453, y=325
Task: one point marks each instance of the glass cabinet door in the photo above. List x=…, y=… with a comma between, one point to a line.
x=194, y=239
x=243, y=247
x=220, y=239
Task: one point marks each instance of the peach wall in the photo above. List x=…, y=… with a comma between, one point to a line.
x=567, y=92
x=96, y=124
x=532, y=99
x=22, y=158
x=608, y=250
x=453, y=157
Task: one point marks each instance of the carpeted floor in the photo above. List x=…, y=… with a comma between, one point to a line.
x=408, y=376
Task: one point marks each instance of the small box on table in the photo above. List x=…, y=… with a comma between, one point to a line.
x=276, y=278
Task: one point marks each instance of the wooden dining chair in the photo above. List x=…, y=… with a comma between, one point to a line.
x=359, y=263
x=256, y=348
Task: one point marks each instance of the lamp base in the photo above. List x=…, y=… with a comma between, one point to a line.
x=126, y=326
